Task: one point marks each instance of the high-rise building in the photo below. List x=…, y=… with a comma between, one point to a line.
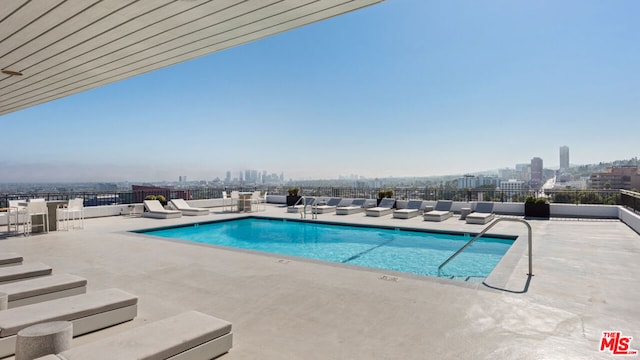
x=523, y=172
x=564, y=158
x=536, y=172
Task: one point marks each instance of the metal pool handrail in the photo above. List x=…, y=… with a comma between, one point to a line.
x=483, y=232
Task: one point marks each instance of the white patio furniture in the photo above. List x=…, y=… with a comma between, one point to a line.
x=37, y=208
x=72, y=212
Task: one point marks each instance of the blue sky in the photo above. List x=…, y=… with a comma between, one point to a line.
x=403, y=88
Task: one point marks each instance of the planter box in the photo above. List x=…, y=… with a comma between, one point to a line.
x=532, y=210
x=292, y=200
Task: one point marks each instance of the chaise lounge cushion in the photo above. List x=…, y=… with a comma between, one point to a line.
x=356, y=206
x=186, y=209
x=9, y=258
x=412, y=210
x=24, y=271
x=479, y=218
x=156, y=211
x=441, y=212
x=39, y=286
x=68, y=308
x=330, y=206
x=482, y=214
x=385, y=208
x=157, y=340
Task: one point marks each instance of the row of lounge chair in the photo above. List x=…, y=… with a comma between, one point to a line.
x=483, y=211
x=36, y=296
x=154, y=208
x=157, y=211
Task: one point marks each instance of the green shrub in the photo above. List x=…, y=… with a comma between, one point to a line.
x=385, y=194
x=150, y=197
x=293, y=191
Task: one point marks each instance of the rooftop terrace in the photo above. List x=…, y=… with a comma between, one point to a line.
x=587, y=278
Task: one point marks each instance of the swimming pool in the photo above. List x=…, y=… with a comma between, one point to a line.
x=408, y=251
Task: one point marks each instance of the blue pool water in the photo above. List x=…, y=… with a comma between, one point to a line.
x=414, y=252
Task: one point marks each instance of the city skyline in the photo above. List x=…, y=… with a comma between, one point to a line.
x=516, y=170
x=403, y=88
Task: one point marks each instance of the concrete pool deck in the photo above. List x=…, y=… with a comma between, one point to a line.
x=586, y=280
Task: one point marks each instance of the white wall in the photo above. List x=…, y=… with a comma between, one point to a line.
x=584, y=211
x=107, y=210
x=509, y=208
x=629, y=218
x=276, y=199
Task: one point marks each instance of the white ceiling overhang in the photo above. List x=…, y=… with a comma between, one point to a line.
x=62, y=47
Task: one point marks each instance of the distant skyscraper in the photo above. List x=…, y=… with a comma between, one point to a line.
x=564, y=158
x=536, y=171
x=523, y=172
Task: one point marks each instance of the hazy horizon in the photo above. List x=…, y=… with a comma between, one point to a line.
x=94, y=173
x=404, y=88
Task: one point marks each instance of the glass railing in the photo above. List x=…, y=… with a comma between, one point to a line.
x=630, y=200
x=98, y=198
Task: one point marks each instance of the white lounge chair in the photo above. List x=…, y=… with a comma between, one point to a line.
x=191, y=335
x=414, y=207
x=442, y=211
x=330, y=206
x=356, y=206
x=482, y=214
x=384, y=208
x=156, y=211
x=24, y=271
x=88, y=312
x=186, y=209
x=44, y=288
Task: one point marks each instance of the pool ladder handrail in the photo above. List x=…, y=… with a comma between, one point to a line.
x=304, y=209
x=484, y=232
x=303, y=214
